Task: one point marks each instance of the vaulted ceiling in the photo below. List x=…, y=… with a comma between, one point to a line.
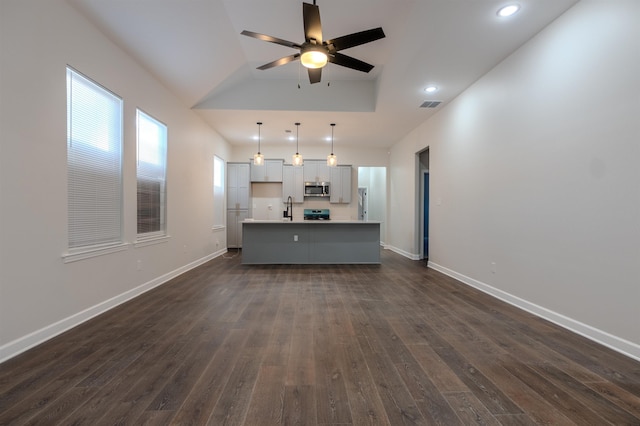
x=195, y=48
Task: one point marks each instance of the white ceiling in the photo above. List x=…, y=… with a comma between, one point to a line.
x=195, y=48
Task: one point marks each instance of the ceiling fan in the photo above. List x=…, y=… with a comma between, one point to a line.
x=316, y=52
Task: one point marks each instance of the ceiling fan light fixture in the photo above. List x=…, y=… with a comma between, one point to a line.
x=314, y=53
x=314, y=56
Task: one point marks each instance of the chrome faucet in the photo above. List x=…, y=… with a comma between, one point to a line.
x=289, y=212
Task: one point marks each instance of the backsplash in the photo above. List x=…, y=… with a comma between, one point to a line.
x=266, y=199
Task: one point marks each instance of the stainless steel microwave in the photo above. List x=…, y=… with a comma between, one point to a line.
x=316, y=189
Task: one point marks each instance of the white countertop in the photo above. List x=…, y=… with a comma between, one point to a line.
x=314, y=222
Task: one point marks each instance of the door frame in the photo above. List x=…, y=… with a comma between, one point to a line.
x=421, y=170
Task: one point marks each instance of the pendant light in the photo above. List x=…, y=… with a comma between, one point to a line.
x=332, y=160
x=297, y=158
x=258, y=159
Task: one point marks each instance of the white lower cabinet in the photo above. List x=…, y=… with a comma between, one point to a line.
x=234, y=227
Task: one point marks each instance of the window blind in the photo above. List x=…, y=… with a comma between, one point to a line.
x=218, y=191
x=94, y=163
x=151, y=175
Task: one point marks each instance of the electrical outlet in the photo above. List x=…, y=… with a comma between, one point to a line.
x=295, y=238
x=493, y=267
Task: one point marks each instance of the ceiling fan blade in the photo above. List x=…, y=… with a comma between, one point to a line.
x=312, y=26
x=271, y=39
x=356, y=39
x=349, y=62
x=315, y=74
x=279, y=62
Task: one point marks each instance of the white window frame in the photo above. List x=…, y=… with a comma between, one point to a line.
x=151, y=167
x=219, y=192
x=94, y=168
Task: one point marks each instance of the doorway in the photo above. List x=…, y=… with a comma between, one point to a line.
x=373, y=180
x=423, y=185
x=425, y=219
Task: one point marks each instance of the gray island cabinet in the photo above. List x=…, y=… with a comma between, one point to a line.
x=310, y=242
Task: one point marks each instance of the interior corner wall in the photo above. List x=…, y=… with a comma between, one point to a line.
x=40, y=295
x=535, y=184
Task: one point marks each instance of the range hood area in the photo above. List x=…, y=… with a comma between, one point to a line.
x=314, y=186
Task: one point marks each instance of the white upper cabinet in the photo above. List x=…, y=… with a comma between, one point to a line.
x=316, y=171
x=270, y=171
x=292, y=184
x=238, y=186
x=340, y=189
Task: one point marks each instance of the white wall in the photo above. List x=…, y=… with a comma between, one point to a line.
x=536, y=168
x=39, y=294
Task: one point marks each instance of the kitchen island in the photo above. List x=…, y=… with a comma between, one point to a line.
x=310, y=242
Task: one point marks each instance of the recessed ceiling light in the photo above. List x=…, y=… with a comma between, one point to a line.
x=431, y=89
x=290, y=136
x=509, y=10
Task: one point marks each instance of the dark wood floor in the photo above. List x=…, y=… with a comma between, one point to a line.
x=388, y=344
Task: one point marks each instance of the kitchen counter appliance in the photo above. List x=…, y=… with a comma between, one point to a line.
x=316, y=189
x=316, y=214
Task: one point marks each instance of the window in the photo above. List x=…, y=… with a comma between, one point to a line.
x=151, y=174
x=94, y=164
x=218, y=192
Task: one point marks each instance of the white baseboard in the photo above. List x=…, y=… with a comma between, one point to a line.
x=24, y=343
x=27, y=342
x=618, y=344
x=403, y=253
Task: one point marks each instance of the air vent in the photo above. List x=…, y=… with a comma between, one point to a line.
x=430, y=104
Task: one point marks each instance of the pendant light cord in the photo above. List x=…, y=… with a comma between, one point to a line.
x=333, y=125
x=259, y=125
